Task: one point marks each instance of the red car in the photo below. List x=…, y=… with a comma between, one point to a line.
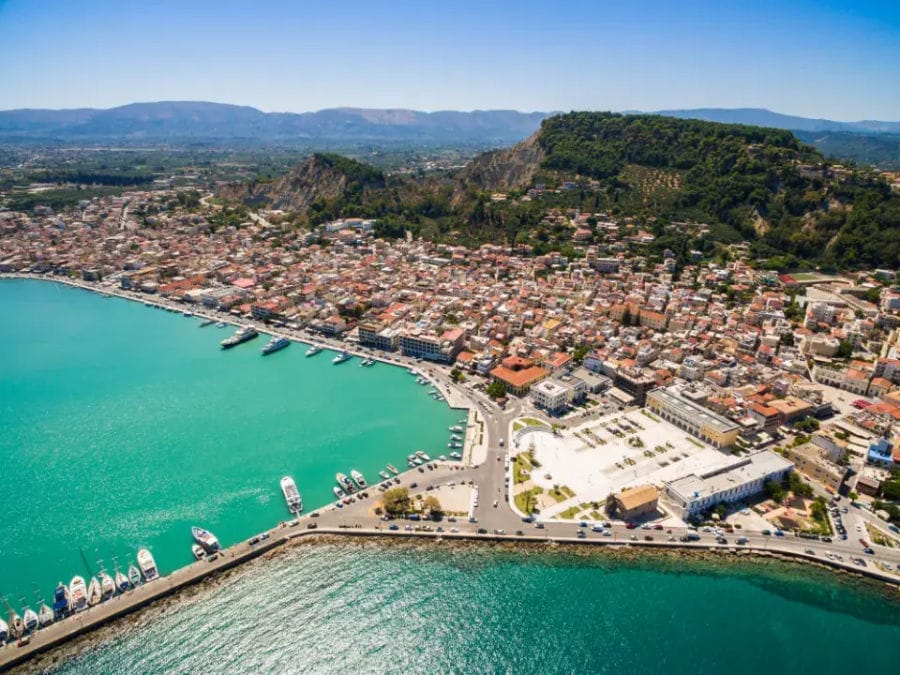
x=630, y=526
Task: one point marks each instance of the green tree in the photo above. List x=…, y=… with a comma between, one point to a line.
x=496, y=389
x=457, y=375
x=845, y=350
x=396, y=501
x=774, y=490
x=433, y=507
x=580, y=352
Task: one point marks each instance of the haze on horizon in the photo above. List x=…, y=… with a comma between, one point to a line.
x=826, y=59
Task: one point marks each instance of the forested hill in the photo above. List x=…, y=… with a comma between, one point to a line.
x=744, y=183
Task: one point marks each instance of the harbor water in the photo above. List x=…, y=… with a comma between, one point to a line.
x=124, y=425
x=368, y=608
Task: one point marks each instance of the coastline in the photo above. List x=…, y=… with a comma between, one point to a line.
x=667, y=559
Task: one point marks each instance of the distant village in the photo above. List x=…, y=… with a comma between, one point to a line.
x=805, y=364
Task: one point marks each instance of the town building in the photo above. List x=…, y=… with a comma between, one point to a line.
x=672, y=406
x=634, y=503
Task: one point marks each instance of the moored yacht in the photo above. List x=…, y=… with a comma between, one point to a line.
x=338, y=492
x=122, y=583
x=455, y=455
x=367, y=362
x=392, y=469
x=291, y=495
x=384, y=474
x=359, y=478
x=61, y=600
x=340, y=358
x=206, y=539
x=313, y=350
x=147, y=565
x=344, y=482
x=78, y=593
x=275, y=344
x=4, y=632
x=242, y=335
x=423, y=456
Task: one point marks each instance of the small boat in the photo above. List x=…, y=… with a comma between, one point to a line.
x=418, y=461
x=367, y=362
x=443, y=458
x=455, y=437
x=94, y=594
x=78, y=594
x=45, y=615
x=275, y=344
x=206, y=539
x=340, y=358
x=344, y=482
x=134, y=576
x=412, y=371
x=455, y=455
x=4, y=632
x=456, y=429
x=462, y=421
x=384, y=474
x=313, y=350
x=16, y=627
x=188, y=314
x=358, y=478
x=411, y=463
x=208, y=322
x=198, y=551
x=392, y=469
x=122, y=583
x=61, y=600
x=338, y=492
x=29, y=619
x=107, y=586
x=454, y=444
x=220, y=324
x=291, y=495
x=147, y=565
x=421, y=454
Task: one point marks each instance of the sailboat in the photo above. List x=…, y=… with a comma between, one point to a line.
x=94, y=594
x=122, y=583
x=30, y=619
x=4, y=632
x=107, y=585
x=134, y=575
x=45, y=615
x=78, y=593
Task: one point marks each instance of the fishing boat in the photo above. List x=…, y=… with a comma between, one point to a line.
x=275, y=344
x=198, y=551
x=291, y=495
x=313, y=350
x=4, y=632
x=338, y=492
x=340, y=358
x=134, y=576
x=384, y=474
x=122, y=583
x=359, y=478
x=61, y=600
x=94, y=594
x=344, y=482
x=107, y=585
x=206, y=539
x=78, y=593
x=29, y=619
x=392, y=469
x=147, y=565
x=45, y=615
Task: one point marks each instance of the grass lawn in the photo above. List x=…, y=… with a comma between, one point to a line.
x=527, y=422
x=562, y=494
x=521, y=469
x=570, y=513
x=526, y=503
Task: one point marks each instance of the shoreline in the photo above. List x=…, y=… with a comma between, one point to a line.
x=702, y=561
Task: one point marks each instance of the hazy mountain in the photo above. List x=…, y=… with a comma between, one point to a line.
x=173, y=121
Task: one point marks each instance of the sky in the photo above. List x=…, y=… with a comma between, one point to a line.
x=833, y=59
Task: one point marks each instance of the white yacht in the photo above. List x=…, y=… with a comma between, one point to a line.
x=313, y=350
x=358, y=478
x=340, y=358
x=291, y=495
x=78, y=593
x=147, y=564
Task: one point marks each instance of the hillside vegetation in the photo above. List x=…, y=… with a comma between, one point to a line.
x=736, y=182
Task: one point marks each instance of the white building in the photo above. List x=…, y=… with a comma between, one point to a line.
x=550, y=395
x=734, y=480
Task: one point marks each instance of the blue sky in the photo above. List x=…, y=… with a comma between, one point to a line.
x=839, y=60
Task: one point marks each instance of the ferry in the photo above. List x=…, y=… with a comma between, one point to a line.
x=424, y=457
x=291, y=495
x=134, y=575
x=4, y=632
x=107, y=586
x=147, y=564
x=29, y=619
x=206, y=539
x=359, y=478
x=340, y=358
x=94, y=594
x=338, y=492
x=275, y=344
x=344, y=482
x=78, y=593
x=61, y=600
x=45, y=615
x=456, y=429
x=240, y=336
x=313, y=350
x=392, y=469
x=208, y=322
x=122, y=582
x=198, y=551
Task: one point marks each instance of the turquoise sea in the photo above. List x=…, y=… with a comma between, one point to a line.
x=369, y=608
x=123, y=425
